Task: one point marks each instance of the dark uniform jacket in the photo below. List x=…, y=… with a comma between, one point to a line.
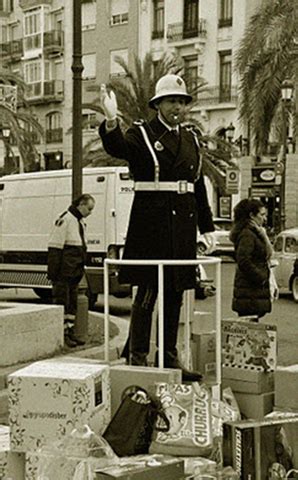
x=251, y=286
x=67, y=247
x=162, y=225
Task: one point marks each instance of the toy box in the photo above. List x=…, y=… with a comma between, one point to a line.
x=144, y=468
x=203, y=349
x=48, y=399
x=256, y=449
x=246, y=380
x=286, y=388
x=249, y=345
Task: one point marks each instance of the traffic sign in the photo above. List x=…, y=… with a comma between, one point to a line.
x=232, y=179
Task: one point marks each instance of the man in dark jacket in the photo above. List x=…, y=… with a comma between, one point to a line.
x=170, y=202
x=66, y=259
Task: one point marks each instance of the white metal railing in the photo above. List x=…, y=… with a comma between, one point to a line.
x=161, y=264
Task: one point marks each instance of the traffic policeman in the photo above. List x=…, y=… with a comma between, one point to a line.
x=170, y=201
x=66, y=259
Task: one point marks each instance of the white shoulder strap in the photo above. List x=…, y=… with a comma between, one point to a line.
x=153, y=154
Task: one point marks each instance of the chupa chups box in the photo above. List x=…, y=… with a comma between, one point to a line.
x=249, y=345
x=286, y=388
x=255, y=449
x=47, y=400
x=142, y=468
x=246, y=380
x=123, y=376
x=12, y=464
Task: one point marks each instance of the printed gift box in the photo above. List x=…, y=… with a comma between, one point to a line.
x=12, y=464
x=47, y=400
x=249, y=345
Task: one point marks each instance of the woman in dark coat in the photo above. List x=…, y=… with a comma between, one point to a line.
x=251, y=295
x=170, y=203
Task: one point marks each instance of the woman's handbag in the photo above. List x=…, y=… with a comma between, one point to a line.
x=130, y=430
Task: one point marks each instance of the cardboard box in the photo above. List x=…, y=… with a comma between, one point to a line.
x=12, y=464
x=47, y=400
x=255, y=405
x=123, y=376
x=252, y=447
x=203, y=322
x=286, y=387
x=203, y=349
x=170, y=469
x=247, y=381
x=249, y=345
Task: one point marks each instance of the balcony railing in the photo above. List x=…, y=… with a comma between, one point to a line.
x=53, y=41
x=216, y=95
x=178, y=31
x=11, y=51
x=51, y=90
x=54, y=136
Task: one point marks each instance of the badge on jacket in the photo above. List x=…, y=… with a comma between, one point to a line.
x=158, y=146
x=59, y=222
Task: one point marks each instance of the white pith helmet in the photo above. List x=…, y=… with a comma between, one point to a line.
x=169, y=85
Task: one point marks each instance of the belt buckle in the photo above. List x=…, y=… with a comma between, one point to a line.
x=182, y=186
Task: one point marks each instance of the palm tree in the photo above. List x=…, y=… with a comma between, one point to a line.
x=21, y=122
x=263, y=61
x=133, y=92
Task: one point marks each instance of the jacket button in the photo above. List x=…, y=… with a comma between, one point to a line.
x=174, y=212
x=191, y=167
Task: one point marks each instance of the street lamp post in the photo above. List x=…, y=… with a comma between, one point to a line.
x=286, y=93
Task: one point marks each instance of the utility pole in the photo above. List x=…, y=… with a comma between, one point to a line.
x=77, y=68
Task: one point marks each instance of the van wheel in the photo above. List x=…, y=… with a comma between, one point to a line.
x=295, y=289
x=44, y=294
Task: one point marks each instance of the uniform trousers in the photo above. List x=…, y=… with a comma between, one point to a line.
x=65, y=292
x=138, y=343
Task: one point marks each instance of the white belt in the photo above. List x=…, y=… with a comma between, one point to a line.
x=182, y=186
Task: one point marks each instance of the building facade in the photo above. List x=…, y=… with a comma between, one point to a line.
x=37, y=42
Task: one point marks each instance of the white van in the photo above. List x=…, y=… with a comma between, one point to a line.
x=29, y=205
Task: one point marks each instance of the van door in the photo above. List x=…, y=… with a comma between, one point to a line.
x=124, y=193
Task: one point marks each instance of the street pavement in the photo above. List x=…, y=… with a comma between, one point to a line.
x=284, y=314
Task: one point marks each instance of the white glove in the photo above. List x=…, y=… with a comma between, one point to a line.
x=108, y=103
x=210, y=240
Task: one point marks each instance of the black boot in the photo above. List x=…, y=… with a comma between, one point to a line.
x=172, y=361
x=139, y=335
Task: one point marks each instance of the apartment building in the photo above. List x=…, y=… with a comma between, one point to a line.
x=36, y=41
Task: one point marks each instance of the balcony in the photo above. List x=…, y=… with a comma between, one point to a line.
x=11, y=51
x=53, y=42
x=45, y=92
x=32, y=42
x=215, y=95
x=54, y=136
x=25, y=4
x=178, y=32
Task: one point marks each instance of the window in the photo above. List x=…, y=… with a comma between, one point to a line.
x=119, y=12
x=226, y=13
x=88, y=15
x=225, y=77
x=191, y=18
x=89, y=62
x=191, y=73
x=158, y=18
x=115, y=69
x=278, y=244
x=33, y=72
x=32, y=29
x=89, y=121
x=54, y=131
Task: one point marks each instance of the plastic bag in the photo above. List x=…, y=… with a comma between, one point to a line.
x=61, y=459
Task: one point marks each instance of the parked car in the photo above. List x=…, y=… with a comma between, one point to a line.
x=286, y=253
x=222, y=244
